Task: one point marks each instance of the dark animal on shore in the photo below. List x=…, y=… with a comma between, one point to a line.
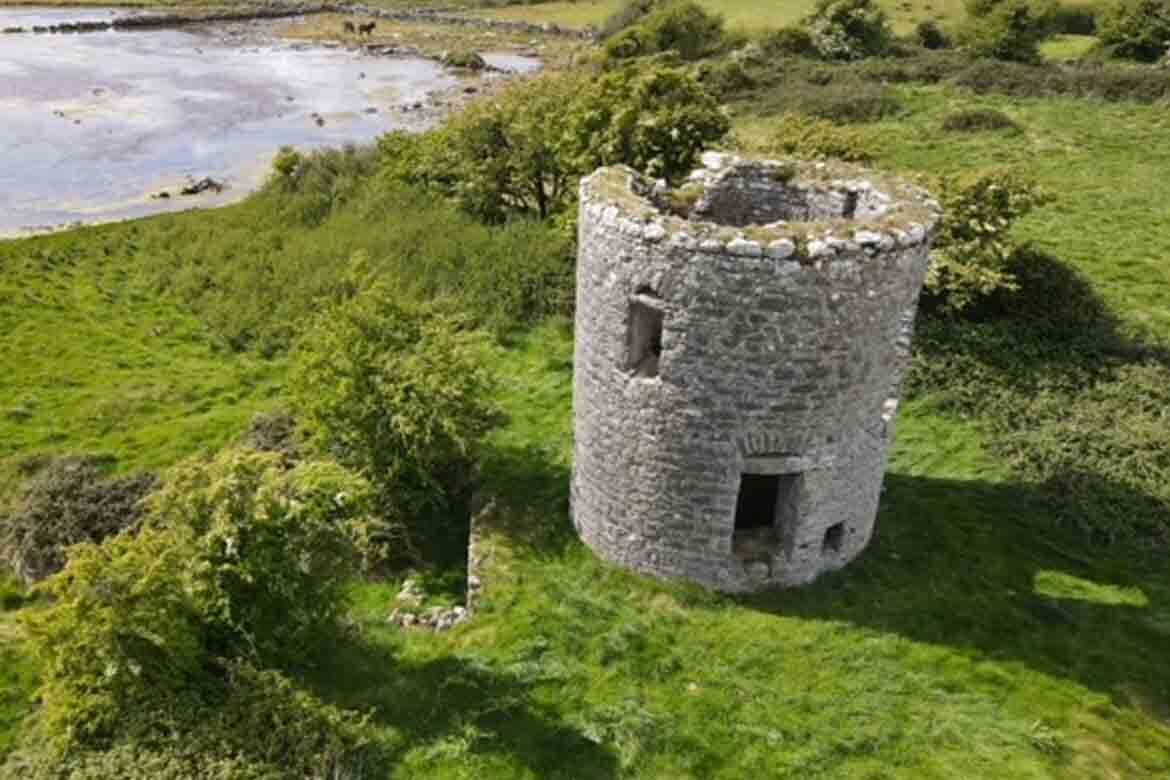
x=367, y=28
x=348, y=27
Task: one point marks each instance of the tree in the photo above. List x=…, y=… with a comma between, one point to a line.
x=397, y=391
x=238, y=560
x=1137, y=29
x=849, y=29
x=525, y=152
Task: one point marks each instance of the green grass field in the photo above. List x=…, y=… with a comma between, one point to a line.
x=746, y=15
x=970, y=640
x=94, y=361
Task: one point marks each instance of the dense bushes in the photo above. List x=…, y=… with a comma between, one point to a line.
x=249, y=725
x=524, y=153
x=313, y=185
x=975, y=120
x=398, y=392
x=683, y=28
x=849, y=29
x=973, y=247
x=64, y=501
x=496, y=159
x=931, y=36
x=629, y=14
x=810, y=138
x=1137, y=29
x=1005, y=29
x=256, y=274
x=240, y=564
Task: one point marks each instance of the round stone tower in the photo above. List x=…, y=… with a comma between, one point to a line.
x=740, y=341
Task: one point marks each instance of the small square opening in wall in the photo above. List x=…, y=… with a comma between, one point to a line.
x=834, y=536
x=766, y=511
x=645, y=339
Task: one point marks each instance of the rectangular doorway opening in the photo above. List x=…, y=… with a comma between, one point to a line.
x=645, y=339
x=765, y=513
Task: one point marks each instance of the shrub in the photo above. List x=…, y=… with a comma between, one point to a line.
x=1143, y=85
x=500, y=157
x=249, y=725
x=840, y=98
x=467, y=59
x=657, y=121
x=306, y=188
x=631, y=12
x=398, y=392
x=685, y=28
x=274, y=432
x=725, y=76
x=1073, y=20
x=1137, y=29
x=930, y=36
x=788, y=42
x=849, y=29
x=525, y=152
x=973, y=248
x=976, y=120
x=808, y=137
x=237, y=559
x=65, y=501
x=1005, y=29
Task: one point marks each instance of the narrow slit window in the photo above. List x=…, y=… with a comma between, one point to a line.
x=645, y=339
x=833, y=538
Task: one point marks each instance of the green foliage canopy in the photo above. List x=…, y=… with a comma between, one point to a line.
x=849, y=29
x=1137, y=29
x=525, y=152
x=397, y=391
x=237, y=560
x=973, y=248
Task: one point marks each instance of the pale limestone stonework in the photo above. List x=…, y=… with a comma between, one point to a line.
x=740, y=341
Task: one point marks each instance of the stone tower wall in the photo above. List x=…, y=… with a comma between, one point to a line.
x=781, y=349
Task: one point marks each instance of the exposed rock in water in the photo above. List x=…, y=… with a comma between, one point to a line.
x=205, y=184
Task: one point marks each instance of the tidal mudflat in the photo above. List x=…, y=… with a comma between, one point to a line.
x=96, y=127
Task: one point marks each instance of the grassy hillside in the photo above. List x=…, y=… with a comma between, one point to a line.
x=95, y=361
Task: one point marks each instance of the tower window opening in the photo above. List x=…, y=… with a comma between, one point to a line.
x=833, y=538
x=645, y=339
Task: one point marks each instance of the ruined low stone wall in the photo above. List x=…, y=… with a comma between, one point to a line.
x=753, y=322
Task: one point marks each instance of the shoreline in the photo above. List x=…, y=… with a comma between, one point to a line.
x=415, y=114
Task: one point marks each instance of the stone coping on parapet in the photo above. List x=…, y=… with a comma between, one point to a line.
x=724, y=208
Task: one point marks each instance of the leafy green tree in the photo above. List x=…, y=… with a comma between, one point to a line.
x=1009, y=30
x=685, y=28
x=657, y=121
x=973, y=248
x=1137, y=29
x=849, y=29
x=525, y=152
x=398, y=392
